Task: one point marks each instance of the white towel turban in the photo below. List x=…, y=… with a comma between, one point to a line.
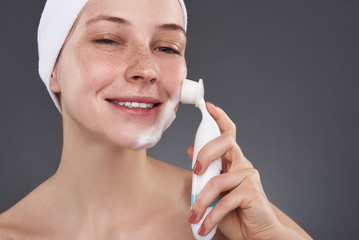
x=56, y=22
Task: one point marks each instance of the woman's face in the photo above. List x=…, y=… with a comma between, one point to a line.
x=121, y=69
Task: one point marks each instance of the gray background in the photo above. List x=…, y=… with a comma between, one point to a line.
x=285, y=71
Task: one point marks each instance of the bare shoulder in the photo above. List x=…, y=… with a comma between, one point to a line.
x=9, y=228
x=175, y=197
x=23, y=220
x=7, y=234
x=179, y=178
x=175, y=178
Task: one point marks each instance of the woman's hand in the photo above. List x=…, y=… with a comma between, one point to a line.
x=243, y=211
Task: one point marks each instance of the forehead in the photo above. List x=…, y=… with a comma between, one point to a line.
x=138, y=12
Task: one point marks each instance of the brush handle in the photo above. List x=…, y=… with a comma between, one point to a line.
x=207, y=131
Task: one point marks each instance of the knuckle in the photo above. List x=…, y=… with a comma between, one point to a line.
x=252, y=179
x=233, y=126
x=253, y=186
x=253, y=173
x=227, y=137
x=248, y=162
x=215, y=183
x=199, y=204
x=224, y=203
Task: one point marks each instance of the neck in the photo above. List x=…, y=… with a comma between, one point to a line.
x=99, y=180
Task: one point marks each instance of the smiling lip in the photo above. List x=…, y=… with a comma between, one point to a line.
x=138, y=106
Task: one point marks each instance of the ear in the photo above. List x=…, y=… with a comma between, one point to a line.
x=54, y=83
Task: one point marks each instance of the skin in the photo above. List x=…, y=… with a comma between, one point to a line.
x=107, y=188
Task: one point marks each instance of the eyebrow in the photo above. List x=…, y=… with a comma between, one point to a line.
x=118, y=20
x=173, y=27
x=113, y=19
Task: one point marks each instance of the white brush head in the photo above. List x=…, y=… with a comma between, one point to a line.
x=189, y=91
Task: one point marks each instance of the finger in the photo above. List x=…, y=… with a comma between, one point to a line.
x=215, y=187
x=223, y=147
x=190, y=153
x=248, y=195
x=228, y=204
x=225, y=124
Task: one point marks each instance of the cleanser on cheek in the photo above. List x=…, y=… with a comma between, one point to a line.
x=153, y=135
x=193, y=93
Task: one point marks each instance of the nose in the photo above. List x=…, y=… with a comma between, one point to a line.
x=141, y=67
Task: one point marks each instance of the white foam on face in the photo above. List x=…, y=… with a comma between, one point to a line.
x=153, y=135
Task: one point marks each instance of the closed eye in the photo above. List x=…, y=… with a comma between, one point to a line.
x=168, y=50
x=106, y=41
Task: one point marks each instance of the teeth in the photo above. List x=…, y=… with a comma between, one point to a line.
x=144, y=105
x=134, y=104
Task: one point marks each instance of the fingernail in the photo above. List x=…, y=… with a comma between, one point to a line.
x=202, y=230
x=197, y=167
x=192, y=217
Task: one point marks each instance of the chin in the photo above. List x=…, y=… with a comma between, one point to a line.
x=147, y=141
x=151, y=137
x=136, y=139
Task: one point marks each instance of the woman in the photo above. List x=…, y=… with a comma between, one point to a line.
x=117, y=82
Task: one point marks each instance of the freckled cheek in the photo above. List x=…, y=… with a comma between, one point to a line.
x=173, y=76
x=99, y=70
